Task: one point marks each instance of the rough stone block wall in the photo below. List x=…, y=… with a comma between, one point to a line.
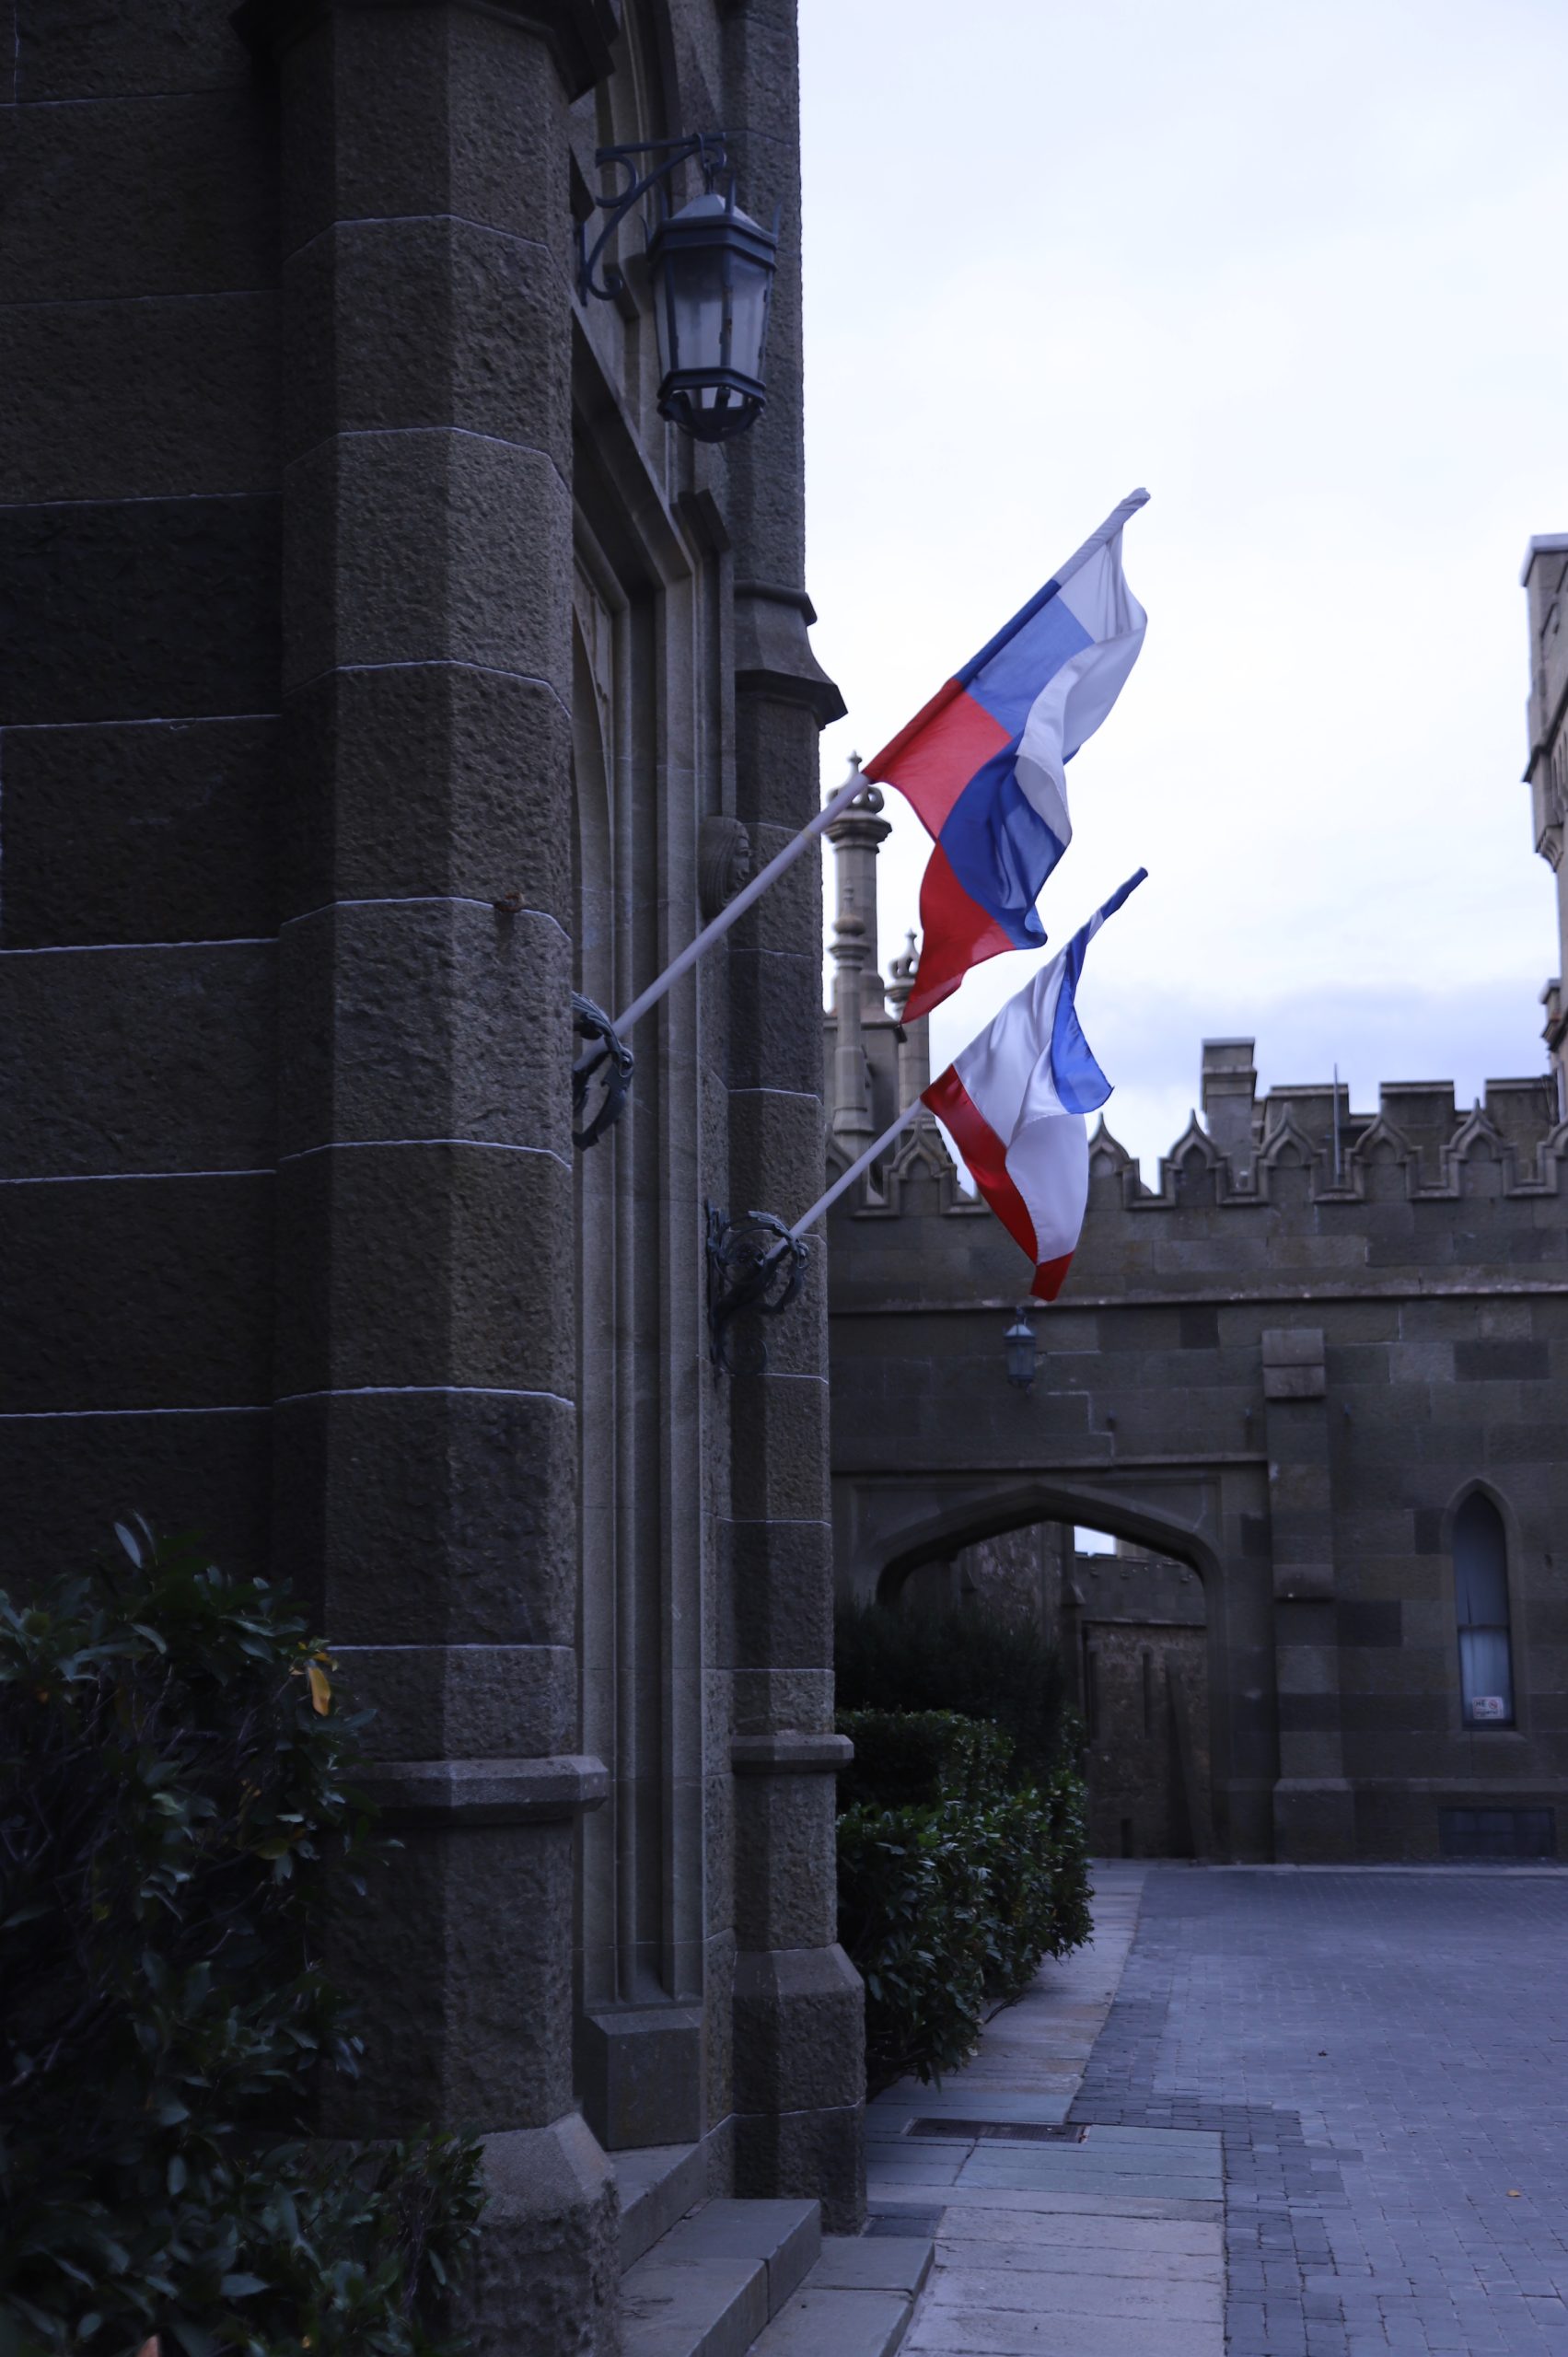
x=140, y=547
x=376, y=659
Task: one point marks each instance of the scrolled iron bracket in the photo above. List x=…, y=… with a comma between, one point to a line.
x=753, y=1264
x=706, y=146
x=608, y=1056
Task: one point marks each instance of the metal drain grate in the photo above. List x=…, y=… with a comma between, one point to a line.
x=1007, y=2131
x=923, y=2223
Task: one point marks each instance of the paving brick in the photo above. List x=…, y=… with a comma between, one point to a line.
x=1382, y=2054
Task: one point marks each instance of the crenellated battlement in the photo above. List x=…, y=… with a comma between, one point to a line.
x=1301, y=1146
x=1417, y=1148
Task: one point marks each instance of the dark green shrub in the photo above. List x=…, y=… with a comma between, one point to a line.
x=1038, y=1898
x=953, y=1882
x=912, y=1897
x=921, y=1756
x=889, y=1659
x=172, y=1791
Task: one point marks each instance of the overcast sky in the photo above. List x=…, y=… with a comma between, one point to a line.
x=1297, y=265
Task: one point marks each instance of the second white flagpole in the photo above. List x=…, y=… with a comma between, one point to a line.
x=853, y=784
x=847, y=1179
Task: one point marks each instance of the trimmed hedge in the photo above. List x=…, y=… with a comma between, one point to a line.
x=953, y=1881
x=921, y=1756
x=174, y=1769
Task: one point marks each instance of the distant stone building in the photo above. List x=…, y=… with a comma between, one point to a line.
x=380, y=667
x=1134, y=1657
x=1322, y=1362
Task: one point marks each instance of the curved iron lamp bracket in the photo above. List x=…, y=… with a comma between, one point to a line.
x=754, y=1263
x=608, y=1055
x=708, y=147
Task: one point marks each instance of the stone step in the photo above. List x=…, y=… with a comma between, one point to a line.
x=658, y=2184
x=856, y=2302
x=709, y=2286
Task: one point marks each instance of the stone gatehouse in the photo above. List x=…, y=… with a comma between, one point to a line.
x=1322, y=1361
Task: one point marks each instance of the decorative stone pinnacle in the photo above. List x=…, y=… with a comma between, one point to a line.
x=903, y=971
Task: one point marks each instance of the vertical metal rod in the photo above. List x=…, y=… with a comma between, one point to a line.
x=854, y=783
x=1338, y=1165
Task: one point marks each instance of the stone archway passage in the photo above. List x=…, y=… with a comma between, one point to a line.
x=1157, y=1734
x=1130, y=1629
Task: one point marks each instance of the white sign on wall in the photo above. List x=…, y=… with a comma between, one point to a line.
x=1488, y=1706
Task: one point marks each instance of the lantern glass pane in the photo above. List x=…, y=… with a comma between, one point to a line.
x=694, y=307
x=748, y=314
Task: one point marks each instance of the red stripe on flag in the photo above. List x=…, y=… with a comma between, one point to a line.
x=985, y=1154
x=1048, y=1277
x=933, y=758
x=956, y=933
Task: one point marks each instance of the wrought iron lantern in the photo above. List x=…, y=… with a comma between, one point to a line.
x=1019, y=1344
x=713, y=270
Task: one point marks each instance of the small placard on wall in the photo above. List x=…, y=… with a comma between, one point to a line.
x=1488, y=1706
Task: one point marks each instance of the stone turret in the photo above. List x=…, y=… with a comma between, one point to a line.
x=856, y=838
x=1545, y=580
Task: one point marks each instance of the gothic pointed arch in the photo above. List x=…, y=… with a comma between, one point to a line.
x=1113, y=1172
x=1286, y=1163
x=1478, y=1160
x=1107, y=1156
x=1551, y=1156
x=920, y=1148
x=1381, y=1166
x=1193, y=1170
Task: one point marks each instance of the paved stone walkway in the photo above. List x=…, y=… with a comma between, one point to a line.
x=1381, y=2057
x=1106, y=2242
x=1385, y=2055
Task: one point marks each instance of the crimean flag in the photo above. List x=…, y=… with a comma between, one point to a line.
x=984, y=764
x=1014, y=1102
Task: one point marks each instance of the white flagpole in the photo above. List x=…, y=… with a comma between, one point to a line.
x=863, y=1162
x=854, y=783
x=1108, y=531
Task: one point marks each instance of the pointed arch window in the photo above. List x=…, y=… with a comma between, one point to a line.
x=1481, y=1600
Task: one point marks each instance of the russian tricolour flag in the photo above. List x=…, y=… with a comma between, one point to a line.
x=984, y=763
x=1015, y=1103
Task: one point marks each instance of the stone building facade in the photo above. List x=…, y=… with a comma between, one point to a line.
x=1322, y=1362
x=380, y=668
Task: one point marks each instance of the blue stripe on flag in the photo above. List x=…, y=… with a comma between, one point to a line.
x=1000, y=848
x=1080, y=1083
x=1026, y=612
x=1009, y=683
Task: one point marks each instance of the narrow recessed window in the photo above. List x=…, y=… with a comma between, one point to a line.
x=1480, y=1596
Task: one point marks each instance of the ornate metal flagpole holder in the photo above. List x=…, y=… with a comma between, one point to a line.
x=754, y=1263
x=608, y=1056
